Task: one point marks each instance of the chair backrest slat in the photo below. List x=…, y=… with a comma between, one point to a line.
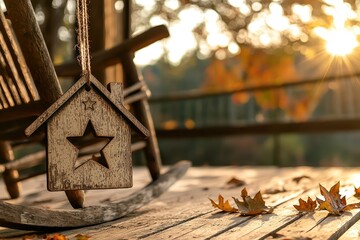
x=3, y=100
x=8, y=81
x=12, y=71
x=28, y=34
x=6, y=91
x=18, y=64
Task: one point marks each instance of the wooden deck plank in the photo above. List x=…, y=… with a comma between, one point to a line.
x=352, y=233
x=320, y=225
x=184, y=212
x=261, y=226
x=177, y=207
x=211, y=225
x=283, y=215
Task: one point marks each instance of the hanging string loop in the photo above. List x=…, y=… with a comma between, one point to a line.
x=83, y=38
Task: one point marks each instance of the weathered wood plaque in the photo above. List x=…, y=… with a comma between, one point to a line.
x=83, y=115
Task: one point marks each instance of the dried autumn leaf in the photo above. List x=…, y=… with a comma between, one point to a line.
x=333, y=203
x=357, y=192
x=306, y=206
x=235, y=182
x=224, y=206
x=298, y=179
x=252, y=206
x=81, y=237
x=274, y=190
x=57, y=236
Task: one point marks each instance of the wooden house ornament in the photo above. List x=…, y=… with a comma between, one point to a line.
x=86, y=109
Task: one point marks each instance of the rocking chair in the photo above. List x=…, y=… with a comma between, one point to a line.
x=29, y=84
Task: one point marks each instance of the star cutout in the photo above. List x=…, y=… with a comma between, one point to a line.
x=89, y=104
x=89, y=136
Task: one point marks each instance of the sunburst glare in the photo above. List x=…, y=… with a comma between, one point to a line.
x=341, y=42
x=340, y=39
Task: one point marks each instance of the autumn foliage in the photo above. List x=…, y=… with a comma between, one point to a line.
x=248, y=206
x=333, y=202
x=223, y=206
x=252, y=206
x=357, y=192
x=255, y=68
x=306, y=206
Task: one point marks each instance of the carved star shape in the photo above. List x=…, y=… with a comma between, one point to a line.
x=89, y=104
x=88, y=137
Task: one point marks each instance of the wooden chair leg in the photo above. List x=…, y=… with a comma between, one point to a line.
x=76, y=198
x=10, y=176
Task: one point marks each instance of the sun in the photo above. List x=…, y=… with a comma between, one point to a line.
x=340, y=42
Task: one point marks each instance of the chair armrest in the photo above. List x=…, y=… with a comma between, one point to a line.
x=113, y=55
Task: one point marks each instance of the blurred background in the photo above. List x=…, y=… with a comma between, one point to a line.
x=238, y=82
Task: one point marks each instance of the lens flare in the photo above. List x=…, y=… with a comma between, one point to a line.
x=341, y=42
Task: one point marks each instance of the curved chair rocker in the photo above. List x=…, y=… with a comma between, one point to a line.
x=29, y=84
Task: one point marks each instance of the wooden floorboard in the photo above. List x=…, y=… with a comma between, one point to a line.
x=184, y=212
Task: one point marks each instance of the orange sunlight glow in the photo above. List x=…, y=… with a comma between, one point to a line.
x=265, y=30
x=341, y=42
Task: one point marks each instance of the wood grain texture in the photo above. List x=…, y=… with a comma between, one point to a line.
x=188, y=201
x=142, y=110
x=137, y=126
x=217, y=225
x=184, y=212
x=9, y=176
x=8, y=80
x=71, y=120
x=19, y=60
x=34, y=49
x=6, y=93
x=24, y=217
x=12, y=71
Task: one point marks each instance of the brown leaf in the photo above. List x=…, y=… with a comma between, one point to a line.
x=357, y=192
x=224, y=206
x=306, y=206
x=298, y=179
x=29, y=237
x=274, y=190
x=81, y=237
x=234, y=182
x=57, y=236
x=252, y=206
x=333, y=203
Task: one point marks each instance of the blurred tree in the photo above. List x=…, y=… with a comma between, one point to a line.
x=236, y=35
x=221, y=26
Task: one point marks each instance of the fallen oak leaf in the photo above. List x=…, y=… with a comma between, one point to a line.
x=351, y=206
x=81, y=237
x=274, y=190
x=223, y=206
x=252, y=206
x=235, y=182
x=306, y=206
x=298, y=179
x=357, y=192
x=333, y=203
x=56, y=236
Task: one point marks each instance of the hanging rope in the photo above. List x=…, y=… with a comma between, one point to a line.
x=83, y=38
